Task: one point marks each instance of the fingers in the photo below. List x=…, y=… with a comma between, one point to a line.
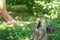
x=11, y=22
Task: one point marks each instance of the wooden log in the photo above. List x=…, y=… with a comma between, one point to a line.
x=40, y=31
x=40, y=34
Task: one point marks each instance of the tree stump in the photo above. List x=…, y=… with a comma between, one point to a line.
x=39, y=34
x=40, y=31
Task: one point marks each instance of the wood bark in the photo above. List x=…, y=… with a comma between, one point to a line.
x=40, y=31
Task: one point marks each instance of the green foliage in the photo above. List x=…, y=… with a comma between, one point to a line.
x=50, y=7
x=47, y=8
x=15, y=2
x=16, y=32
x=28, y=3
x=22, y=10
x=25, y=32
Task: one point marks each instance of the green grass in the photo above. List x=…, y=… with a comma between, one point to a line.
x=23, y=31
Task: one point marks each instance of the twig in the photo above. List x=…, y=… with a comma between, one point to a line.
x=21, y=22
